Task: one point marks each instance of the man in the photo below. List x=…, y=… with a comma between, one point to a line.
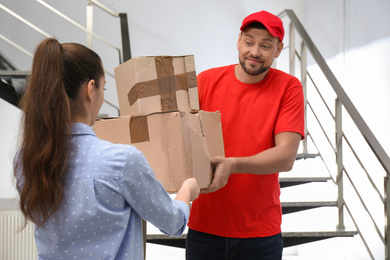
x=262, y=112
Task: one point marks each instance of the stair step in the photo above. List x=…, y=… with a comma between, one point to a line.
x=289, y=238
x=306, y=155
x=314, y=191
x=295, y=206
x=313, y=167
x=298, y=238
x=14, y=74
x=292, y=181
x=298, y=228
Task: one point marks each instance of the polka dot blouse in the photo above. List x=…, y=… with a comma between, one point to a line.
x=109, y=188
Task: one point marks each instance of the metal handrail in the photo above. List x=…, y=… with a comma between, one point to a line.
x=346, y=139
x=345, y=170
x=17, y=46
x=39, y=30
x=51, y=8
x=347, y=174
x=36, y=28
x=343, y=101
x=364, y=169
x=365, y=207
x=126, y=53
x=322, y=98
x=322, y=128
x=124, y=28
x=104, y=8
x=320, y=155
x=359, y=231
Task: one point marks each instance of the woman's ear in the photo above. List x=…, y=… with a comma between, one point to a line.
x=90, y=89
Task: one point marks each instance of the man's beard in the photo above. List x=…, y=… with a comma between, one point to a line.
x=259, y=71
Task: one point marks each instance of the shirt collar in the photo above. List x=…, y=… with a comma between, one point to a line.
x=82, y=129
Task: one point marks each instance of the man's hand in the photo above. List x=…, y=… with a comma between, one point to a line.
x=276, y=159
x=223, y=168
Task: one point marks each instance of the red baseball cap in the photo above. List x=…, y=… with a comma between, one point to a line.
x=270, y=21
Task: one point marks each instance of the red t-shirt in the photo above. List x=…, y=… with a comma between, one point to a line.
x=251, y=114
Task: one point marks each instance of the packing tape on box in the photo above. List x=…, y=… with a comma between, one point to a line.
x=139, y=129
x=166, y=84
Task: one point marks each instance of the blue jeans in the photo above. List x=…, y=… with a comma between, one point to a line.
x=203, y=246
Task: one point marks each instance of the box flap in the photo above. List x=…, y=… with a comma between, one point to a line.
x=212, y=131
x=114, y=130
x=200, y=155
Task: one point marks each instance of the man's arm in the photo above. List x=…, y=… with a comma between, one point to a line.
x=276, y=159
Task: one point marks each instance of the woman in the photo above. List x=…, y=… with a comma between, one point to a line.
x=86, y=196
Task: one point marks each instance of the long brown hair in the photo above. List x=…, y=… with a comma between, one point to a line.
x=49, y=104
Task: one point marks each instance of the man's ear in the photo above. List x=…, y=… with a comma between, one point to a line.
x=238, y=41
x=279, y=49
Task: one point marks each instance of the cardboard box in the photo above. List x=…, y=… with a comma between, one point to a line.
x=178, y=145
x=153, y=84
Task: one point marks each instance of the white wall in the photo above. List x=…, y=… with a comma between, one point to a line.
x=9, y=133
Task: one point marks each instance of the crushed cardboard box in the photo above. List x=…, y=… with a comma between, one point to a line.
x=157, y=83
x=178, y=145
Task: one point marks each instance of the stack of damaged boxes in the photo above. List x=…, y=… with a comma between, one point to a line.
x=159, y=114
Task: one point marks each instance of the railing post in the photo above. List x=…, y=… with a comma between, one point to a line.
x=387, y=214
x=125, y=37
x=89, y=25
x=339, y=161
x=304, y=86
x=292, y=49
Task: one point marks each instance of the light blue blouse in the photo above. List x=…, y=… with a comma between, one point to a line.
x=108, y=189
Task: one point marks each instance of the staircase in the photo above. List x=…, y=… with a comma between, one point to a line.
x=323, y=161
x=12, y=82
x=297, y=178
